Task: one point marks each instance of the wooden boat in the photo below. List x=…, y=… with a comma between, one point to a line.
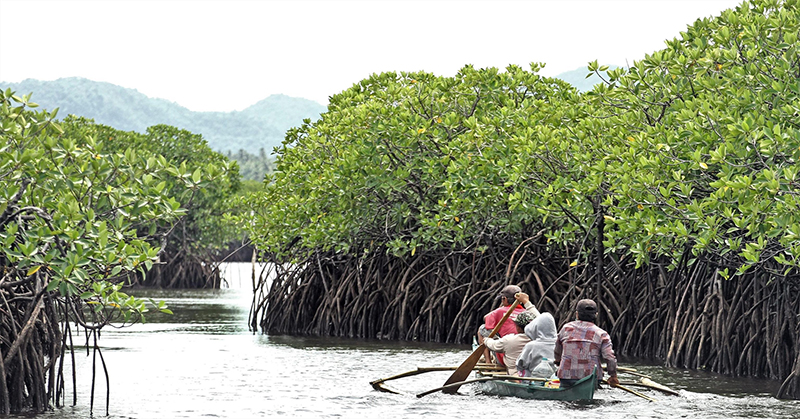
x=493, y=379
x=535, y=390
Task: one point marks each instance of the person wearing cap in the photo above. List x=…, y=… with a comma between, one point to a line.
x=507, y=296
x=511, y=345
x=580, y=346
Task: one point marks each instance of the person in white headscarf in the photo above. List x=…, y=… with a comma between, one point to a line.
x=543, y=333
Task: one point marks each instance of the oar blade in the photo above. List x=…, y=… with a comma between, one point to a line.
x=654, y=385
x=466, y=367
x=463, y=371
x=621, y=387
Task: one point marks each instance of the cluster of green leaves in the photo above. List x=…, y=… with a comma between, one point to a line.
x=74, y=217
x=413, y=160
x=692, y=148
x=703, y=142
x=204, y=181
x=70, y=212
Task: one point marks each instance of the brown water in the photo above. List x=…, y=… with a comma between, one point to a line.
x=204, y=363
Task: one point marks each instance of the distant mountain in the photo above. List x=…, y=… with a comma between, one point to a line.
x=262, y=125
x=578, y=78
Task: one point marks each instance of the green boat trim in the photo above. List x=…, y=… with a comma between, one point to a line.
x=582, y=390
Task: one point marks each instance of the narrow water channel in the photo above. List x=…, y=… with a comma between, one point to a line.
x=203, y=362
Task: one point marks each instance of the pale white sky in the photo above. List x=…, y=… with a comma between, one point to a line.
x=227, y=55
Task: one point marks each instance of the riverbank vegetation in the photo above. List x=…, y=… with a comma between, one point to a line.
x=669, y=193
x=190, y=246
x=86, y=210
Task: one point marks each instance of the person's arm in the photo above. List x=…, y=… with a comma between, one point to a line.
x=525, y=301
x=607, y=350
x=558, y=349
x=497, y=345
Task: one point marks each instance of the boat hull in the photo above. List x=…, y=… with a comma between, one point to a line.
x=582, y=390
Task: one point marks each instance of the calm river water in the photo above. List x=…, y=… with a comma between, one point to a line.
x=203, y=362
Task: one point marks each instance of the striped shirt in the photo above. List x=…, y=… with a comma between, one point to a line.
x=579, y=347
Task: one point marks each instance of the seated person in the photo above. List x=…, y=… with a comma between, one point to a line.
x=542, y=333
x=580, y=346
x=511, y=345
x=507, y=296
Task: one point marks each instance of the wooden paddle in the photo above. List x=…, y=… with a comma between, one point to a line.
x=462, y=372
x=660, y=387
x=621, y=387
x=652, y=386
x=378, y=384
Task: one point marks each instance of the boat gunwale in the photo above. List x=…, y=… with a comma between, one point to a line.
x=531, y=388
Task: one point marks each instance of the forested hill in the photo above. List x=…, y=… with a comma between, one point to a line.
x=247, y=136
x=261, y=125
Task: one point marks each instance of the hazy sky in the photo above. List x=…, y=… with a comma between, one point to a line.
x=226, y=55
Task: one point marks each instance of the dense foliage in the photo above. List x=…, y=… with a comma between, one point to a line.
x=188, y=247
x=80, y=215
x=647, y=192
x=712, y=130
x=413, y=160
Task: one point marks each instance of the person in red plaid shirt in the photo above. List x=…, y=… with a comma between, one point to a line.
x=581, y=344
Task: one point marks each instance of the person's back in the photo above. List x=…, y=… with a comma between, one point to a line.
x=580, y=346
x=542, y=332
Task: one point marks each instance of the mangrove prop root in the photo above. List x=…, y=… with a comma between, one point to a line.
x=688, y=317
x=35, y=337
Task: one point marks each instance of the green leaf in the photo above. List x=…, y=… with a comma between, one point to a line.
x=197, y=175
x=53, y=285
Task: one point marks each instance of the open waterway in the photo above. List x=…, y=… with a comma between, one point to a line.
x=202, y=362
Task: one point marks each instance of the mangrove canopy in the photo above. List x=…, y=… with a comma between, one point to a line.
x=77, y=220
x=669, y=193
